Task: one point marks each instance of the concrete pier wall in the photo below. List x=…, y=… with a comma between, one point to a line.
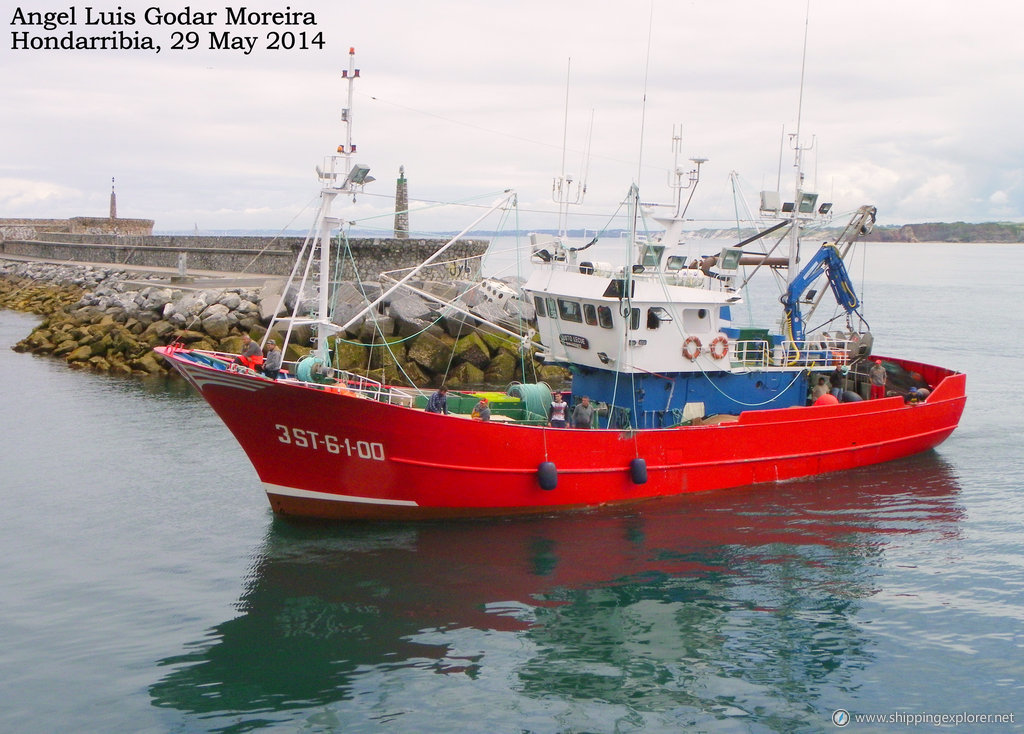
x=364, y=259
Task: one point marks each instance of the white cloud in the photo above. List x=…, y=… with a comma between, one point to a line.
x=912, y=107
x=19, y=194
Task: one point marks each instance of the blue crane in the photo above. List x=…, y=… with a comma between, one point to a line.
x=829, y=262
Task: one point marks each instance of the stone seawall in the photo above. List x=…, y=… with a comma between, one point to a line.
x=30, y=229
x=107, y=320
x=364, y=259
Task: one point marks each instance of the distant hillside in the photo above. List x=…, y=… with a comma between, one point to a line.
x=949, y=232
x=928, y=232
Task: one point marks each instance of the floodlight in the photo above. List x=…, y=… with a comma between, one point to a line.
x=807, y=203
x=359, y=175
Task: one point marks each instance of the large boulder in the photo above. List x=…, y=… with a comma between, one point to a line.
x=471, y=348
x=497, y=341
x=411, y=314
x=430, y=352
x=554, y=375
x=190, y=337
x=80, y=354
x=102, y=345
x=193, y=304
x=456, y=323
x=350, y=300
x=466, y=375
x=413, y=375
x=148, y=362
x=501, y=370
x=349, y=356
x=384, y=354
x=230, y=300
x=157, y=332
x=373, y=329
x=270, y=300
x=215, y=321
x=155, y=299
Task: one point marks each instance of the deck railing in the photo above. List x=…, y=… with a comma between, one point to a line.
x=809, y=353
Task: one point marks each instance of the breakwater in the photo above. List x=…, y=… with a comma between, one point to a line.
x=106, y=319
x=361, y=258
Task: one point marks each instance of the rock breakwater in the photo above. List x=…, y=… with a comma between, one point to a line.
x=107, y=320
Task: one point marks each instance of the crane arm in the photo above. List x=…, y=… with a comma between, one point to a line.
x=826, y=261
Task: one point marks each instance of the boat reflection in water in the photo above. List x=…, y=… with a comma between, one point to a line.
x=652, y=607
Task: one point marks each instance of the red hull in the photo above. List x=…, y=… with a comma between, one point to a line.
x=328, y=455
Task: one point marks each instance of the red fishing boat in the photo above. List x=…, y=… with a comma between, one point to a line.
x=682, y=398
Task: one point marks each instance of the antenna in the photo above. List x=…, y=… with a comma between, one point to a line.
x=586, y=155
x=643, y=106
x=803, y=68
x=798, y=205
x=562, y=187
x=782, y=143
x=693, y=175
x=565, y=114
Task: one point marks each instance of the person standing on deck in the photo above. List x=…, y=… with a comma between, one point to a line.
x=583, y=413
x=877, y=376
x=556, y=413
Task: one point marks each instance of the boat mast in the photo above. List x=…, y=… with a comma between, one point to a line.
x=338, y=176
x=327, y=223
x=798, y=198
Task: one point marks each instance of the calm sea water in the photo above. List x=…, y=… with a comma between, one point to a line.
x=147, y=586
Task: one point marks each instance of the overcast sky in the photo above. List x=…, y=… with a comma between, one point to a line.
x=913, y=106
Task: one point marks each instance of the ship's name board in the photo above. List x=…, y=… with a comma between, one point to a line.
x=571, y=340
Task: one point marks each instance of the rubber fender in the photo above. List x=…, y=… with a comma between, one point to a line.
x=638, y=471
x=547, y=475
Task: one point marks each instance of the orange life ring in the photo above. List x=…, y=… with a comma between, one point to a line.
x=719, y=347
x=691, y=348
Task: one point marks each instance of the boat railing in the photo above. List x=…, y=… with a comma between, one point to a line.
x=345, y=381
x=807, y=353
x=336, y=380
x=689, y=277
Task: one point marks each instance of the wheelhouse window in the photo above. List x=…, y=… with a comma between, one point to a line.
x=604, y=317
x=655, y=315
x=634, y=318
x=617, y=288
x=675, y=262
x=590, y=314
x=552, y=311
x=539, y=303
x=569, y=310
